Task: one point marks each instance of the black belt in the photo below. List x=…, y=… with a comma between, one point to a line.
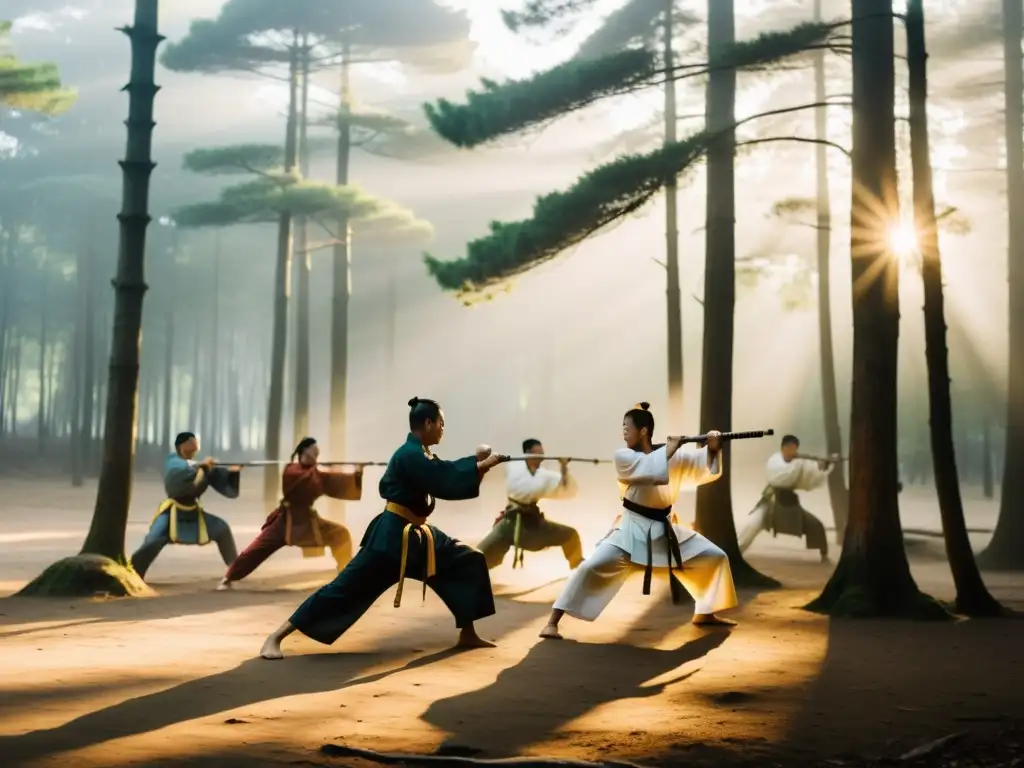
x=660, y=516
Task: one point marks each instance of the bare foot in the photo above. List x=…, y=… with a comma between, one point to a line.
x=224, y=585
x=271, y=649
x=711, y=620
x=472, y=640
x=550, y=632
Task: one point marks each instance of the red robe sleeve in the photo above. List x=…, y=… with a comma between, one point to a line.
x=344, y=484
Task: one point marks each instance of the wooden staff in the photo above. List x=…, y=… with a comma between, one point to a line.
x=822, y=459
x=281, y=462
x=726, y=436
x=539, y=457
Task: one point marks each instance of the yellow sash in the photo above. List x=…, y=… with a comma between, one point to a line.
x=418, y=523
x=171, y=506
x=317, y=550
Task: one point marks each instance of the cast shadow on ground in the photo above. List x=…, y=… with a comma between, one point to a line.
x=251, y=682
x=886, y=686
x=479, y=719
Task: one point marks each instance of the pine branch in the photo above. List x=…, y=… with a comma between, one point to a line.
x=513, y=106
x=517, y=104
x=563, y=219
x=598, y=199
x=541, y=13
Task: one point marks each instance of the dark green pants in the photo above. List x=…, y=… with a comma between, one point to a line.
x=537, y=533
x=461, y=581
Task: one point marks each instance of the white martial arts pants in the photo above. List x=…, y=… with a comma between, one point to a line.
x=757, y=523
x=705, y=575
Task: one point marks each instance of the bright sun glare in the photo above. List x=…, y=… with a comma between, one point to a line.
x=903, y=240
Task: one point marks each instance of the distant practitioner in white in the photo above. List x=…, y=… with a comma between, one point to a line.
x=779, y=509
x=645, y=535
x=522, y=525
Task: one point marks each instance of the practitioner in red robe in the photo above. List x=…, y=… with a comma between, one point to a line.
x=295, y=522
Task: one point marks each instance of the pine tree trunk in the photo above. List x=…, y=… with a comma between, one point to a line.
x=166, y=438
x=987, y=473
x=78, y=380
x=390, y=329
x=304, y=266
x=972, y=598
x=212, y=422
x=193, y=392
x=837, y=492
x=1006, y=550
x=113, y=498
x=234, y=399
x=16, y=358
x=7, y=281
x=89, y=360
x=44, y=312
x=673, y=301
x=873, y=576
x=342, y=288
x=282, y=290
x=714, y=501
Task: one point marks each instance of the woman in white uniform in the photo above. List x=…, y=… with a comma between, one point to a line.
x=646, y=536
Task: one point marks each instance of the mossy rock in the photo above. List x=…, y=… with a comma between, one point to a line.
x=87, y=576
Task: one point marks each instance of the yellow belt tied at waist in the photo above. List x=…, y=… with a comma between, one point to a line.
x=418, y=523
x=317, y=549
x=172, y=506
x=519, y=510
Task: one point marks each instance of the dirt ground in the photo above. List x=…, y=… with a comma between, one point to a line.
x=173, y=680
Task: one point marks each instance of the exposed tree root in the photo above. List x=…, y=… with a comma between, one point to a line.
x=386, y=758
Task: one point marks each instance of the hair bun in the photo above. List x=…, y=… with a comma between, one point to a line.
x=414, y=402
x=644, y=405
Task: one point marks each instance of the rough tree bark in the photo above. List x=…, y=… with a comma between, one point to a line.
x=972, y=598
x=100, y=567
x=1006, y=550
x=714, y=516
x=673, y=300
x=282, y=291
x=873, y=576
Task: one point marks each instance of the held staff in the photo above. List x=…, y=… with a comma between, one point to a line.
x=822, y=459
x=539, y=457
x=281, y=462
x=700, y=439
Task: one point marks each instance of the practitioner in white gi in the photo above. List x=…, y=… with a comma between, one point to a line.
x=644, y=536
x=779, y=509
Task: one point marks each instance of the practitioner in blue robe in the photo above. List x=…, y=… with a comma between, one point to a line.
x=181, y=519
x=400, y=543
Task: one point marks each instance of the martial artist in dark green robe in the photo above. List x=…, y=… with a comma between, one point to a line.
x=399, y=543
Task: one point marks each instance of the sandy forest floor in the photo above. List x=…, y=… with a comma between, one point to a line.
x=172, y=680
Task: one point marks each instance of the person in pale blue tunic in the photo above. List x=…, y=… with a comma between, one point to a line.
x=181, y=519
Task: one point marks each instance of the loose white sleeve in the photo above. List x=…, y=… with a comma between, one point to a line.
x=529, y=488
x=638, y=468
x=795, y=475
x=689, y=465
